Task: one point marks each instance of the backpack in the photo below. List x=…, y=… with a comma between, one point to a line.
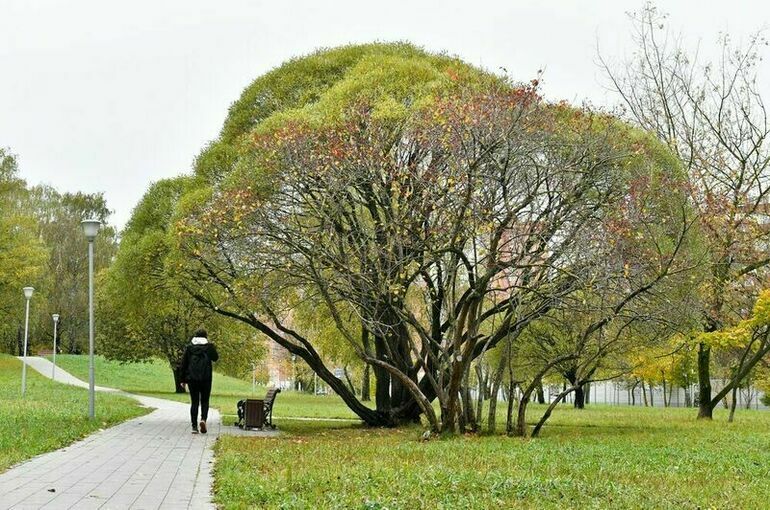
x=200, y=366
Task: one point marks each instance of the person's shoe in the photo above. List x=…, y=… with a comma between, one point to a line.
x=194, y=429
x=203, y=426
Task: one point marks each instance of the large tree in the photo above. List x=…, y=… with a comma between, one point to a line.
x=411, y=212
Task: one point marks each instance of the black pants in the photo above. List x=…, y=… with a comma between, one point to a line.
x=200, y=391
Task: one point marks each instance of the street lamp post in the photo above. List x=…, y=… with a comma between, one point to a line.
x=90, y=229
x=28, y=295
x=55, y=330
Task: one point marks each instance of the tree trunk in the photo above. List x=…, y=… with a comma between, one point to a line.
x=492, y=412
x=705, y=406
x=400, y=396
x=579, y=398
x=365, y=386
x=496, y=381
x=482, y=378
x=724, y=399
x=644, y=394
x=509, y=415
x=469, y=417
x=526, y=393
x=371, y=417
x=665, y=402
x=733, y=403
x=544, y=418
x=540, y=394
x=382, y=379
x=460, y=422
x=521, y=418
x=587, y=393
x=349, y=381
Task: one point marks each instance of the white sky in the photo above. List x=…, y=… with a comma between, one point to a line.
x=109, y=96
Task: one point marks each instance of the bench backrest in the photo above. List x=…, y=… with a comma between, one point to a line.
x=270, y=395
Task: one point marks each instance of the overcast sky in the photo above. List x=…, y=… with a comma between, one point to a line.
x=111, y=96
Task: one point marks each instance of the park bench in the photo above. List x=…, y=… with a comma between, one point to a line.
x=257, y=413
x=268, y=406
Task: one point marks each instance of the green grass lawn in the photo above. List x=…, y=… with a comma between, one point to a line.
x=601, y=457
x=51, y=415
x=155, y=379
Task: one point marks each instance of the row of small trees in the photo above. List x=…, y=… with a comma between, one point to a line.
x=42, y=245
x=141, y=312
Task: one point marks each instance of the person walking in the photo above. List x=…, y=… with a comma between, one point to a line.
x=197, y=373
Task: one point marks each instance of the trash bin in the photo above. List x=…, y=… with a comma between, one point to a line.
x=254, y=414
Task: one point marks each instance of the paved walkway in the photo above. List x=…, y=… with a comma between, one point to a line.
x=149, y=462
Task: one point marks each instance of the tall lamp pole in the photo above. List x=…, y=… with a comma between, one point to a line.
x=90, y=229
x=55, y=324
x=28, y=295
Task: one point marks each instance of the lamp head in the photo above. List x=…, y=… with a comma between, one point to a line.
x=91, y=228
x=28, y=292
x=56, y=317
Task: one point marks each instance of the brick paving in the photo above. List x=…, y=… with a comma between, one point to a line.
x=149, y=462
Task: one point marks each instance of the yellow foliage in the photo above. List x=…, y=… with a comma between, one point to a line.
x=761, y=312
x=740, y=334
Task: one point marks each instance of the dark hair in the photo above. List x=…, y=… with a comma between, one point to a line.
x=200, y=333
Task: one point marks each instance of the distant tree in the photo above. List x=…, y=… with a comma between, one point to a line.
x=592, y=341
x=22, y=254
x=712, y=116
x=749, y=339
x=144, y=311
x=58, y=216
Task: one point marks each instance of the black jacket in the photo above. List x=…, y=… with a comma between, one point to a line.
x=190, y=351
